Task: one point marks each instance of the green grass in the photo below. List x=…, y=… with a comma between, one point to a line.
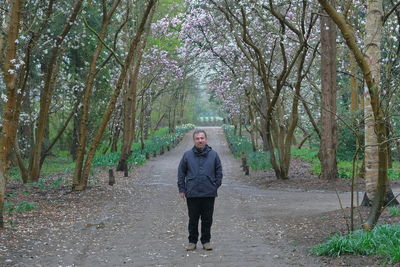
x=382, y=241
x=153, y=144
x=345, y=168
x=394, y=211
x=308, y=155
x=259, y=160
x=394, y=173
x=240, y=144
x=11, y=207
x=52, y=165
x=62, y=163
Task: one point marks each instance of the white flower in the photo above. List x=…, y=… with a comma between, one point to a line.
x=4, y=97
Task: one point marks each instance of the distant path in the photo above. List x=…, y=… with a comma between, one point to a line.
x=146, y=223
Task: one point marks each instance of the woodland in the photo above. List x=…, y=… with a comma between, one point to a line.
x=88, y=84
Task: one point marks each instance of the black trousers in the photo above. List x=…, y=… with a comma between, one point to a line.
x=200, y=207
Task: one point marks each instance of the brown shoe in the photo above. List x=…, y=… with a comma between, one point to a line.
x=191, y=247
x=207, y=246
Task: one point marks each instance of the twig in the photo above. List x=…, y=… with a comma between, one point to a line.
x=390, y=12
x=387, y=204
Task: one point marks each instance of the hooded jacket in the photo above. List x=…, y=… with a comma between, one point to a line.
x=200, y=173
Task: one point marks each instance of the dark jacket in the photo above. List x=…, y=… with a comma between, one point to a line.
x=200, y=173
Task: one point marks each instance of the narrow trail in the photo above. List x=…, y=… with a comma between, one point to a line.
x=146, y=222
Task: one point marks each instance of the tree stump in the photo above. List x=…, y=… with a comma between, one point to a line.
x=147, y=155
x=111, y=178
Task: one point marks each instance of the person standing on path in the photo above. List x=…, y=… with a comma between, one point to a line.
x=199, y=177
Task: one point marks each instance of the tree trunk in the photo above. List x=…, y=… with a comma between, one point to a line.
x=10, y=108
x=353, y=83
x=398, y=149
x=130, y=100
x=372, y=151
x=23, y=170
x=25, y=129
x=147, y=116
x=75, y=136
x=329, y=137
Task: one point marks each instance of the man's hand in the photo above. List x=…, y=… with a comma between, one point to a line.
x=182, y=195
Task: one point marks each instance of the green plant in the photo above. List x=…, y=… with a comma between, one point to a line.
x=57, y=183
x=9, y=195
x=14, y=174
x=10, y=207
x=309, y=155
x=40, y=184
x=259, y=160
x=394, y=211
x=394, y=174
x=383, y=240
x=240, y=144
x=25, y=206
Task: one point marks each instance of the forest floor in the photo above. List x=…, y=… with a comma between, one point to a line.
x=141, y=221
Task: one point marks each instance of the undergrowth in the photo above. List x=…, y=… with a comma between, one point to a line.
x=382, y=241
x=240, y=145
x=345, y=168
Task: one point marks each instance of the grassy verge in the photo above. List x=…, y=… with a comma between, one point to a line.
x=382, y=241
x=62, y=163
x=160, y=138
x=239, y=145
x=345, y=168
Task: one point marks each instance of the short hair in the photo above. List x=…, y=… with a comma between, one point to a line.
x=197, y=131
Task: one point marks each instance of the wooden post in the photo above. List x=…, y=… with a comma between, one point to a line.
x=246, y=170
x=161, y=150
x=244, y=161
x=111, y=178
x=126, y=174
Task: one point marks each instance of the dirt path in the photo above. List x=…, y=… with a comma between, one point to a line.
x=145, y=224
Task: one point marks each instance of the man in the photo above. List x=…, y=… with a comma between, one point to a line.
x=199, y=176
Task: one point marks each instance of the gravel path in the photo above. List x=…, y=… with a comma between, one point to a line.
x=146, y=222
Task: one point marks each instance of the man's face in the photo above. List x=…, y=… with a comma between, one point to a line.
x=200, y=140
